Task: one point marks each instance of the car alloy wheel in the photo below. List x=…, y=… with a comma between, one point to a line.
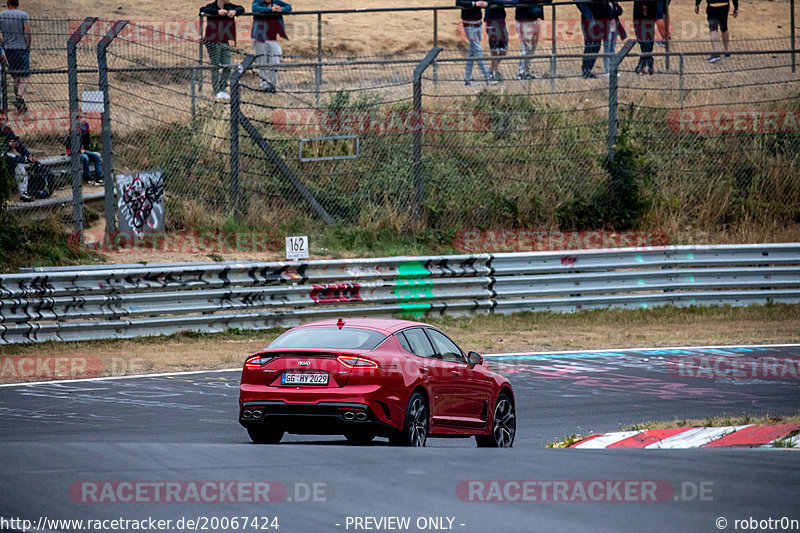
x=415, y=429
x=504, y=425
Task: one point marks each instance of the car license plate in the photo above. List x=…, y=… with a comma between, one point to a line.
x=304, y=379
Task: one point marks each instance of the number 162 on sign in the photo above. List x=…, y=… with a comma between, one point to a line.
x=296, y=248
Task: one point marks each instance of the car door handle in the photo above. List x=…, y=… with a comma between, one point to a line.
x=455, y=373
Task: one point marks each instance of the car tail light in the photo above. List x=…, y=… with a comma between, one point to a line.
x=353, y=361
x=256, y=361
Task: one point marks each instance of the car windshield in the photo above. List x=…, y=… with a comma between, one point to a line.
x=329, y=338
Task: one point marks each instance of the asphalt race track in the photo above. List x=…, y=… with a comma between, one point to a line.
x=57, y=439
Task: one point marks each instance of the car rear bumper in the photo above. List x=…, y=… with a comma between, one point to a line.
x=321, y=418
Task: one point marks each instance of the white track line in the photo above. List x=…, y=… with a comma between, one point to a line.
x=605, y=350
x=109, y=378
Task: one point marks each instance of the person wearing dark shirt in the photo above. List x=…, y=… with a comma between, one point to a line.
x=10, y=142
x=595, y=15
x=471, y=20
x=528, y=19
x=717, y=16
x=267, y=27
x=496, y=30
x=220, y=30
x=644, y=25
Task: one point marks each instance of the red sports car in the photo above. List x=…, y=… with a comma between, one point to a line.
x=364, y=377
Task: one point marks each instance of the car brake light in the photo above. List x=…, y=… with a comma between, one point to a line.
x=352, y=361
x=256, y=361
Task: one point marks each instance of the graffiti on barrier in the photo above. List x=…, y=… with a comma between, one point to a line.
x=140, y=202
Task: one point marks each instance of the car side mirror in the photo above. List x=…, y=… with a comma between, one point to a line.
x=474, y=358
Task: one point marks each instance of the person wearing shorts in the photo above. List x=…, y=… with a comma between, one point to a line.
x=471, y=19
x=717, y=15
x=496, y=30
x=16, y=28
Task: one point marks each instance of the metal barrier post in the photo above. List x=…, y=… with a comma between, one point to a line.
x=680, y=81
x=4, y=88
x=236, y=110
x=553, y=45
x=318, y=70
x=194, y=93
x=613, y=89
x=200, y=52
x=792, y=25
x=108, y=167
x=667, y=34
x=74, y=125
x=418, y=182
x=435, y=44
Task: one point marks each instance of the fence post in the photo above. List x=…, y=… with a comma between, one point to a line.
x=4, y=87
x=236, y=110
x=200, y=53
x=194, y=93
x=417, y=81
x=318, y=70
x=108, y=167
x=553, y=47
x=613, y=90
x=74, y=125
x=680, y=81
x=667, y=34
x=792, y=24
x=435, y=44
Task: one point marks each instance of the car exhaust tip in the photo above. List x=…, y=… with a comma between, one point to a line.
x=348, y=415
x=361, y=416
x=257, y=413
x=247, y=414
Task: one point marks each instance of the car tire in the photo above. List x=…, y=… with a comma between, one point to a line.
x=504, y=425
x=265, y=435
x=359, y=437
x=415, y=427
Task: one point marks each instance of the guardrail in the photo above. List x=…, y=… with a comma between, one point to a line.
x=116, y=301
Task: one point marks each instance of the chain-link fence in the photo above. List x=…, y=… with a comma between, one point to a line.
x=362, y=143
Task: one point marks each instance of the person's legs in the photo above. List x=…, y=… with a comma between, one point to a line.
x=261, y=50
x=214, y=59
x=19, y=60
x=225, y=60
x=274, y=56
x=94, y=157
x=591, y=46
x=22, y=178
x=713, y=17
x=528, y=39
x=85, y=164
x=723, y=27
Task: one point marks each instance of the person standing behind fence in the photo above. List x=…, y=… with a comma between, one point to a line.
x=267, y=27
x=594, y=17
x=16, y=28
x=644, y=25
x=717, y=16
x=10, y=142
x=528, y=29
x=471, y=19
x=496, y=30
x=220, y=30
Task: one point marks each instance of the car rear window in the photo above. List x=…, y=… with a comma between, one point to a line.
x=329, y=338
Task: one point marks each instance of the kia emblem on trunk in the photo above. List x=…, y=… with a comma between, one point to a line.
x=304, y=363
